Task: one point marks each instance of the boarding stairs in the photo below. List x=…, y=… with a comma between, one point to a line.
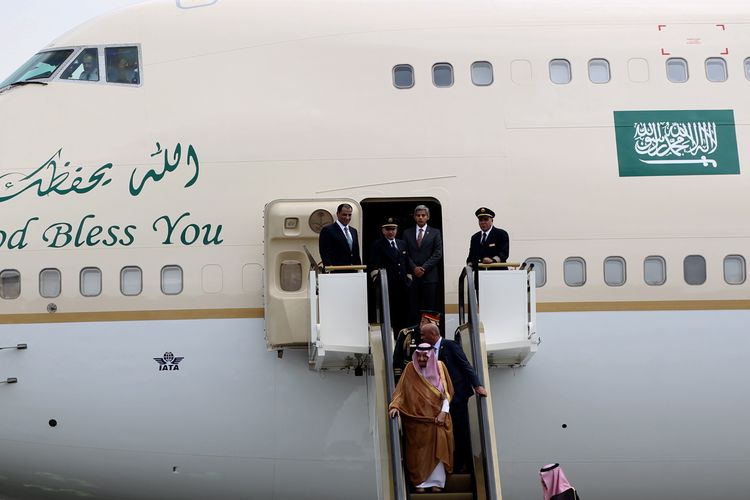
x=338, y=318
x=483, y=483
x=504, y=337
x=505, y=311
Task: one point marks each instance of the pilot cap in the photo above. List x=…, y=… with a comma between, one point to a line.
x=484, y=212
x=390, y=222
x=431, y=316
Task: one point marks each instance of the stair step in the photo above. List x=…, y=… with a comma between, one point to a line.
x=441, y=496
x=459, y=483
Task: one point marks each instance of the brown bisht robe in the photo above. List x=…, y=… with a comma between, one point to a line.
x=419, y=402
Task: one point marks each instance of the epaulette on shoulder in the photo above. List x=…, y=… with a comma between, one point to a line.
x=406, y=331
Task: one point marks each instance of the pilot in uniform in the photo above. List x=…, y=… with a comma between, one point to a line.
x=491, y=244
x=488, y=246
x=389, y=253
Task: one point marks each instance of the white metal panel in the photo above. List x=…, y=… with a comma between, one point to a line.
x=343, y=312
x=503, y=306
x=312, y=294
x=532, y=301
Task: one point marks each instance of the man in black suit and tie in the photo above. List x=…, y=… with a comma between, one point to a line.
x=465, y=384
x=424, y=246
x=490, y=245
x=338, y=242
x=389, y=253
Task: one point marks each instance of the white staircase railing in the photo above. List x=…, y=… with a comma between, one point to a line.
x=339, y=331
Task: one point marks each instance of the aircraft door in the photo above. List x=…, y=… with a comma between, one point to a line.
x=291, y=226
x=375, y=211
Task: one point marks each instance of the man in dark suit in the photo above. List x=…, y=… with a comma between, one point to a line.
x=424, y=246
x=389, y=253
x=338, y=242
x=465, y=384
x=491, y=244
x=488, y=246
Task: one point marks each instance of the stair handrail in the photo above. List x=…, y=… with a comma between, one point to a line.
x=384, y=315
x=467, y=277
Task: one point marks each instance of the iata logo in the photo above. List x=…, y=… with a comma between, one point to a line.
x=169, y=362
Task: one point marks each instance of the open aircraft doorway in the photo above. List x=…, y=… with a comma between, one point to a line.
x=374, y=212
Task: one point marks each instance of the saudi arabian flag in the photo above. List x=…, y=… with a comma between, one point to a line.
x=688, y=142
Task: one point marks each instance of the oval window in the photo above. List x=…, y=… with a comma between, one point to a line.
x=574, y=271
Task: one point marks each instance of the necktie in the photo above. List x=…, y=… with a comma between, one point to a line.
x=419, y=237
x=348, y=236
x=393, y=245
x=484, y=238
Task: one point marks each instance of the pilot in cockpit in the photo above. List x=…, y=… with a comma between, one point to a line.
x=121, y=69
x=90, y=67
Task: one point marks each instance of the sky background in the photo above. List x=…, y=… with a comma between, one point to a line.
x=28, y=25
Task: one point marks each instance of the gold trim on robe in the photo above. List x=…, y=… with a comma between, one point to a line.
x=419, y=403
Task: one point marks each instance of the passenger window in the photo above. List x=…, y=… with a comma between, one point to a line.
x=10, y=284
x=442, y=75
x=654, y=270
x=747, y=68
x=614, y=271
x=403, y=76
x=574, y=271
x=91, y=281
x=694, y=267
x=481, y=73
x=677, y=70
x=131, y=280
x=559, y=71
x=291, y=276
x=171, y=280
x=50, y=283
x=122, y=65
x=84, y=67
x=599, y=70
x=716, y=69
x=734, y=269
x=540, y=270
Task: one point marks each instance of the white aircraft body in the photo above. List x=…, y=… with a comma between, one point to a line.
x=166, y=355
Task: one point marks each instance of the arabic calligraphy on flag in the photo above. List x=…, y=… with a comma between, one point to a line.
x=686, y=142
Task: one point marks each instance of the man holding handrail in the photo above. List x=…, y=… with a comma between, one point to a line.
x=465, y=383
x=422, y=400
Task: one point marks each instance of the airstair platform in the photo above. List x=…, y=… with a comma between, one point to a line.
x=507, y=311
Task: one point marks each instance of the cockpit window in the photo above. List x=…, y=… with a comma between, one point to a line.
x=122, y=65
x=84, y=67
x=39, y=67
